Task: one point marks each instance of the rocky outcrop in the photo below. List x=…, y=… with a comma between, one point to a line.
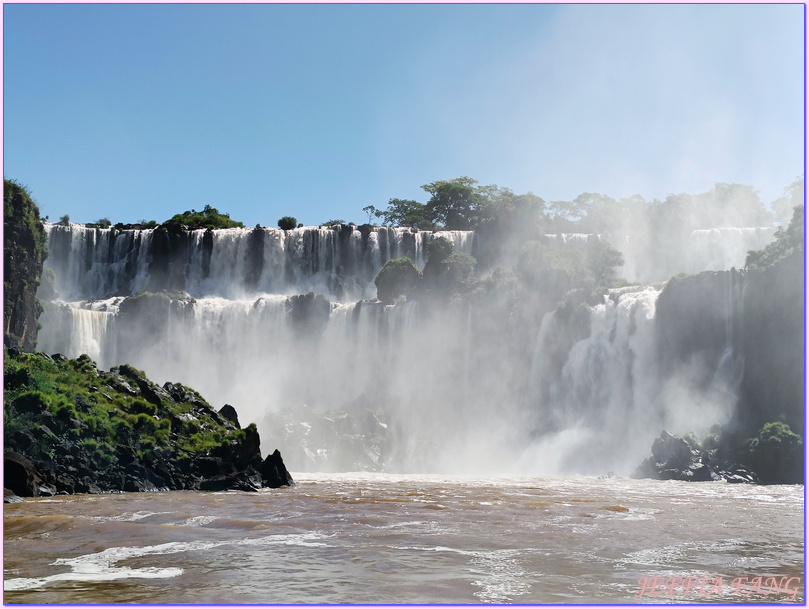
x=675, y=459
x=24, y=250
x=772, y=388
x=91, y=431
x=274, y=473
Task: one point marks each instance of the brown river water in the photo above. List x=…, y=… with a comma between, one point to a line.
x=385, y=539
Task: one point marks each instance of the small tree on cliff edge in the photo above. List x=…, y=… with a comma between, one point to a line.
x=287, y=223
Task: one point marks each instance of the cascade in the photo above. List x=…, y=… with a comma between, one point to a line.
x=599, y=410
x=718, y=249
x=283, y=325
x=340, y=262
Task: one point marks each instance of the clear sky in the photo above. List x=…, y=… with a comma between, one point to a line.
x=142, y=111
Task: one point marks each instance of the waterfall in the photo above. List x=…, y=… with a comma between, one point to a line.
x=340, y=262
x=718, y=249
x=599, y=410
x=284, y=325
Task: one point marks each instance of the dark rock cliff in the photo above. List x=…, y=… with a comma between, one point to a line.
x=24, y=250
x=772, y=388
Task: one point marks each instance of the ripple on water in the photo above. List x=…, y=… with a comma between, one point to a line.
x=103, y=566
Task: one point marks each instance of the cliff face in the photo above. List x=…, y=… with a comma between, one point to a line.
x=749, y=325
x=772, y=388
x=25, y=248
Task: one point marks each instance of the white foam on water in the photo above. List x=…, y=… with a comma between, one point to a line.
x=102, y=566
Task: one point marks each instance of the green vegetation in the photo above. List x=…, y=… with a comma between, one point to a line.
x=404, y=212
x=64, y=220
x=787, y=243
x=53, y=406
x=209, y=217
x=329, y=222
x=776, y=454
x=589, y=266
x=454, y=204
x=447, y=273
x=287, y=223
x=397, y=278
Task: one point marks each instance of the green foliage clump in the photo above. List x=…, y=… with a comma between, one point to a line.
x=454, y=204
x=404, y=212
x=588, y=266
x=209, y=217
x=776, y=454
x=789, y=242
x=327, y=223
x=397, y=278
x=53, y=407
x=447, y=271
x=287, y=223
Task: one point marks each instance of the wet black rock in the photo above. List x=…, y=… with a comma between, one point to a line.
x=229, y=413
x=674, y=459
x=274, y=473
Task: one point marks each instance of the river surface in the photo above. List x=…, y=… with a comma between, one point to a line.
x=384, y=539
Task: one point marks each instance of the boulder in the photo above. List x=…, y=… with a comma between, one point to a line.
x=229, y=413
x=10, y=497
x=671, y=452
x=274, y=473
x=20, y=475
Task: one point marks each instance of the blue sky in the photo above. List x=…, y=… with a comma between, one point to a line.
x=143, y=111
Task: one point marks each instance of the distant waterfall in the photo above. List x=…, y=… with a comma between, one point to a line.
x=718, y=249
x=340, y=262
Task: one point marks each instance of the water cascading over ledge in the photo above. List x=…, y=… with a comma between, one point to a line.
x=347, y=384
x=339, y=262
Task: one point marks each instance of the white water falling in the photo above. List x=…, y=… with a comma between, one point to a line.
x=604, y=399
x=358, y=384
x=718, y=249
x=339, y=262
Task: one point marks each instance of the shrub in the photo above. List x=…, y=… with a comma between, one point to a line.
x=142, y=407
x=397, y=278
x=776, y=454
x=287, y=223
x=209, y=217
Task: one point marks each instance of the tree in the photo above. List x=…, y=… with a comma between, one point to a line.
x=405, y=212
x=372, y=212
x=332, y=222
x=792, y=197
x=602, y=261
x=447, y=270
x=104, y=223
x=209, y=217
x=454, y=204
x=64, y=220
x=397, y=278
x=287, y=223
x=787, y=242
